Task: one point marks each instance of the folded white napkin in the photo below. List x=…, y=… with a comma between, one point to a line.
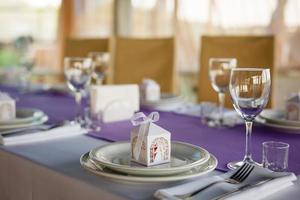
x=150, y=90
x=7, y=107
x=55, y=133
x=279, y=181
x=115, y=102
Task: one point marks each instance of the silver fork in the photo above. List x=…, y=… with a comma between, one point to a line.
x=239, y=176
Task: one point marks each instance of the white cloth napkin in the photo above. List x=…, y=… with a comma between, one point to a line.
x=115, y=102
x=150, y=90
x=55, y=133
x=279, y=182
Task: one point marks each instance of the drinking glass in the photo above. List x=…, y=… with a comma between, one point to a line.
x=249, y=89
x=78, y=73
x=219, y=74
x=100, y=65
x=275, y=156
x=93, y=120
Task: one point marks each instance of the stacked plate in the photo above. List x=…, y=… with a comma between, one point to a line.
x=276, y=119
x=25, y=117
x=114, y=161
x=167, y=102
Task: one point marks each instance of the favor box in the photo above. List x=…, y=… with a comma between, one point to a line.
x=150, y=144
x=7, y=107
x=150, y=90
x=292, y=110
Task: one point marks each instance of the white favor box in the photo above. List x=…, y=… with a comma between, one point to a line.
x=7, y=107
x=292, y=110
x=150, y=90
x=156, y=145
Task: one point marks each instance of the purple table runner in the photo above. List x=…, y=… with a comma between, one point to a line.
x=226, y=144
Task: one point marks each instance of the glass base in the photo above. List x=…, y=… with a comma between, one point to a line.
x=93, y=128
x=236, y=164
x=214, y=123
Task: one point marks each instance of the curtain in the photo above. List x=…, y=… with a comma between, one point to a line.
x=235, y=17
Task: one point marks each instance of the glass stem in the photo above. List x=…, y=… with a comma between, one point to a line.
x=248, y=155
x=78, y=98
x=221, y=96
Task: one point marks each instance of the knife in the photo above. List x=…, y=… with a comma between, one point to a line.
x=245, y=187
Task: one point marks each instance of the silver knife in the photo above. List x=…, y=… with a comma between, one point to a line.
x=245, y=187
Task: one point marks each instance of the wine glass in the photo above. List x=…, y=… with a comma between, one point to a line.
x=219, y=74
x=249, y=89
x=100, y=65
x=78, y=73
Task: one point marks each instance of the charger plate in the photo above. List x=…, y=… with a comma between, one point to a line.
x=277, y=117
x=117, y=156
x=165, y=100
x=103, y=171
x=23, y=116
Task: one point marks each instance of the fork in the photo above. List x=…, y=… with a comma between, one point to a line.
x=239, y=176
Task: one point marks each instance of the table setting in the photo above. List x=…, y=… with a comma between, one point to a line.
x=155, y=137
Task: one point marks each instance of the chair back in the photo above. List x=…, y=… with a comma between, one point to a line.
x=135, y=59
x=81, y=47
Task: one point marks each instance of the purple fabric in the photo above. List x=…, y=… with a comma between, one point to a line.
x=226, y=144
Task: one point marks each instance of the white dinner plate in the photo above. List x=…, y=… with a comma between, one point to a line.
x=284, y=128
x=166, y=101
x=277, y=117
x=37, y=122
x=117, y=156
x=100, y=170
x=23, y=116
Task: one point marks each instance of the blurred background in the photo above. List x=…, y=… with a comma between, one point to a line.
x=34, y=32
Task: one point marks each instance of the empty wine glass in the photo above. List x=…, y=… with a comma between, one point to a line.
x=249, y=89
x=219, y=74
x=78, y=73
x=100, y=65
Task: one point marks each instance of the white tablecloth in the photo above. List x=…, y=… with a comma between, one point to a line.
x=51, y=170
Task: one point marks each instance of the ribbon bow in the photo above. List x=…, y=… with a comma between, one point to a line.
x=140, y=118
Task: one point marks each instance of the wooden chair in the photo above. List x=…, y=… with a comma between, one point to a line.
x=133, y=59
x=81, y=47
x=250, y=51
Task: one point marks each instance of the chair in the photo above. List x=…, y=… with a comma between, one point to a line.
x=136, y=59
x=81, y=47
x=250, y=51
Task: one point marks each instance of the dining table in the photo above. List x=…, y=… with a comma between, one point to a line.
x=51, y=169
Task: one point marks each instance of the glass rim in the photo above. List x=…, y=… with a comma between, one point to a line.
x=221, y=59
x=283, y=145
x=98, y=52
x=250, y=69
x=76, y=58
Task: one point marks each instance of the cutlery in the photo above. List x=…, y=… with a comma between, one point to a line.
x=239, y=176
x=245, y=187
x=33, y=128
